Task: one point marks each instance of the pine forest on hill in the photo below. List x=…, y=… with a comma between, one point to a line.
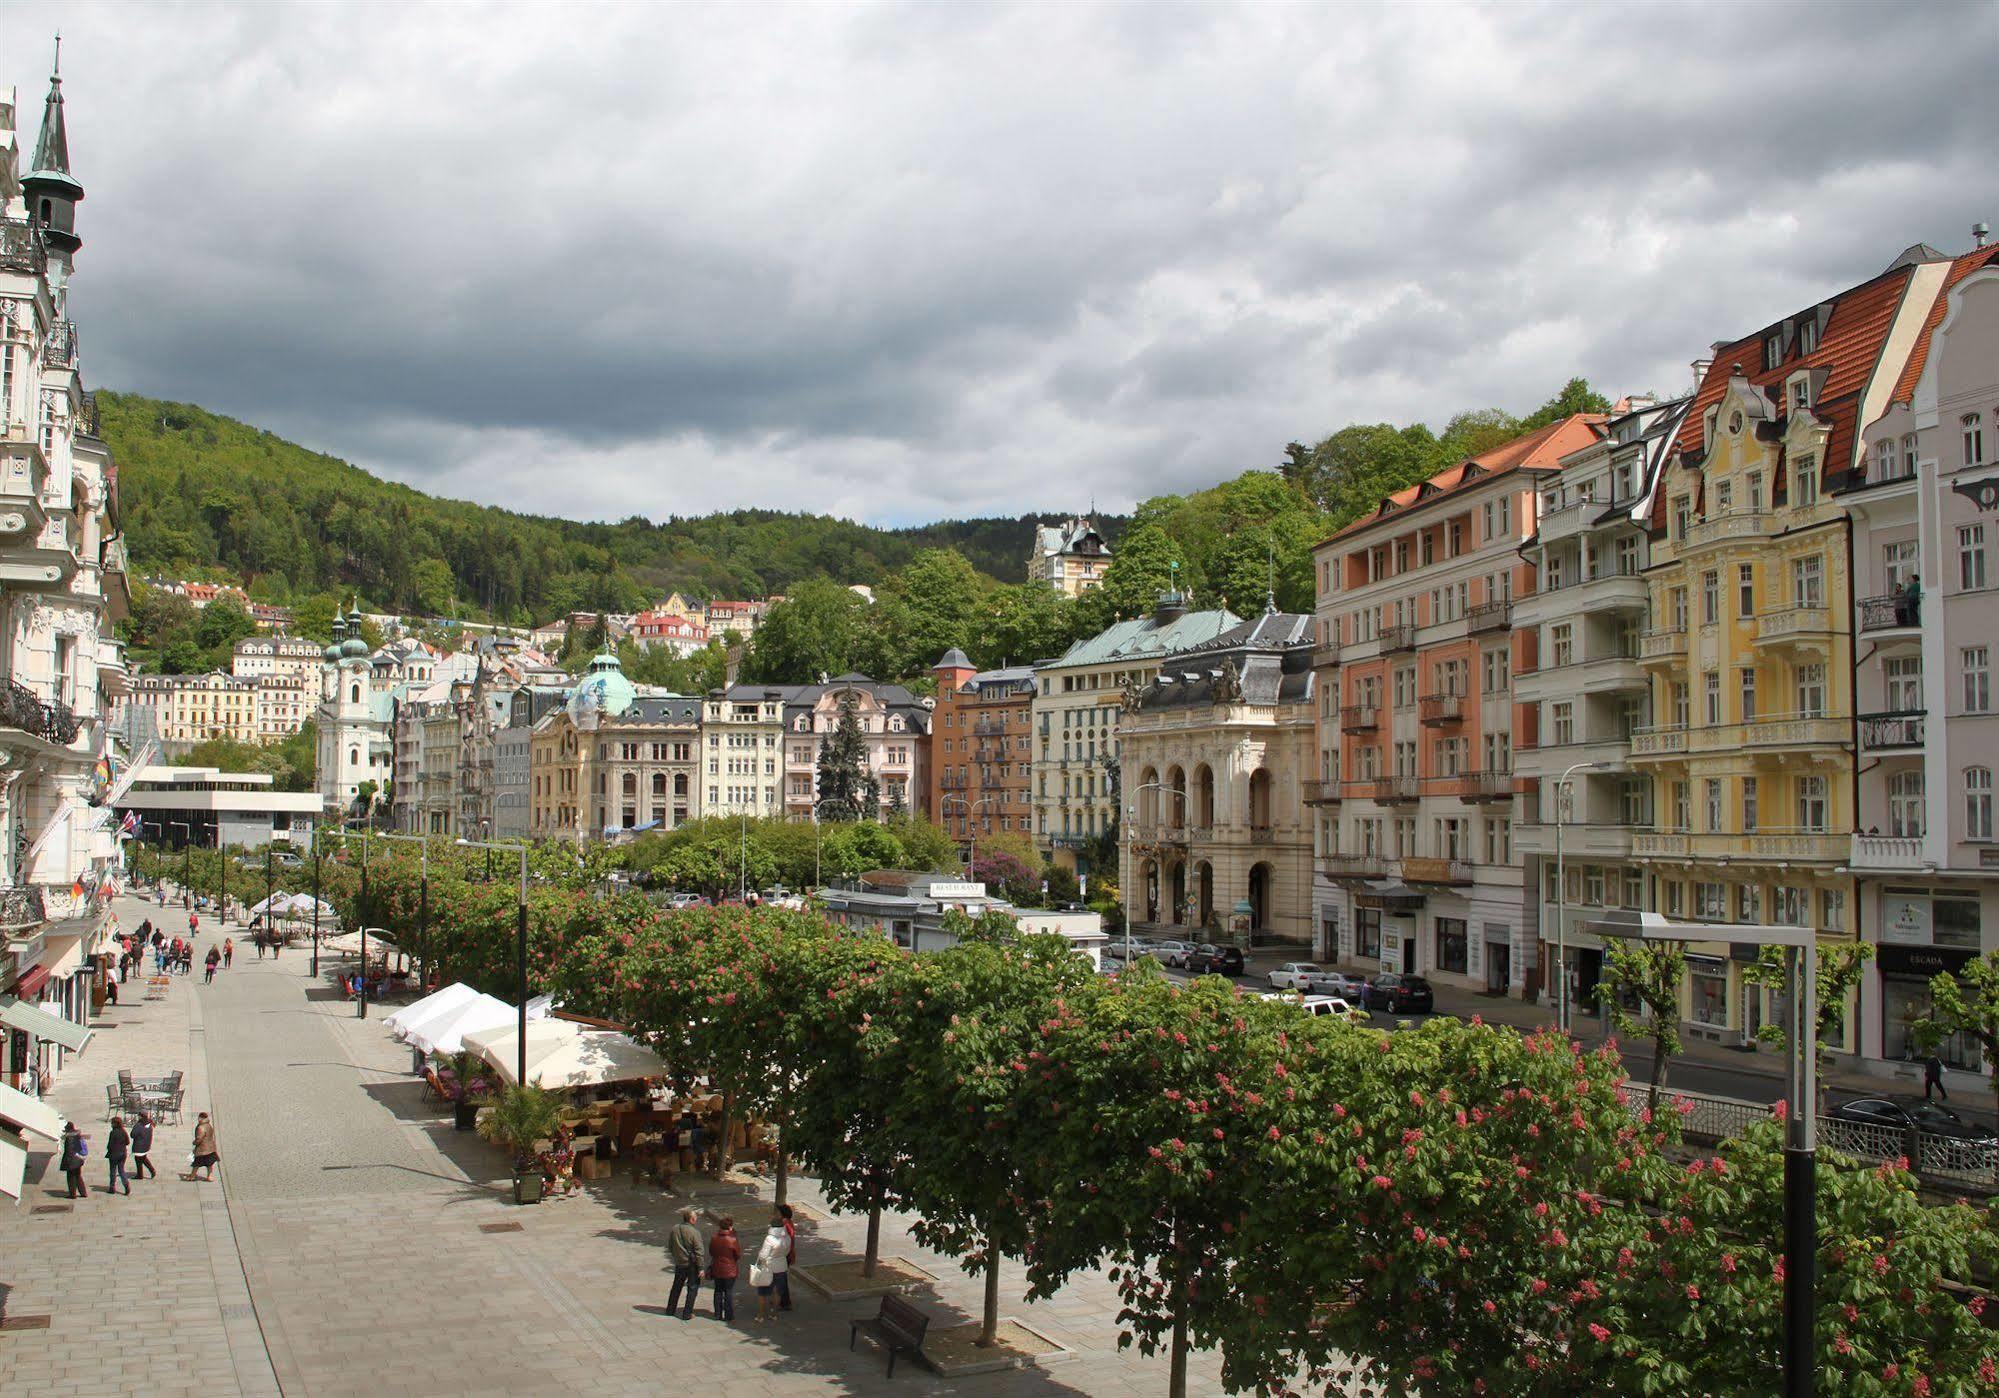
x=207, y=496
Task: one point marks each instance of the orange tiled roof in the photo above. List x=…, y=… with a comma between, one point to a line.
x=1905, y=386
x=1848, y=350
x=1539, y=450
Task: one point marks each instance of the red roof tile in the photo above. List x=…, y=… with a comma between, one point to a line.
x=1539, y=450
x=1905, y=386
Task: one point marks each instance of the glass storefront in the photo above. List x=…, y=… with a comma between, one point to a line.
x=1708, y=1002
x=1906, y=1003
x=1367, y=932
x=1453, y=952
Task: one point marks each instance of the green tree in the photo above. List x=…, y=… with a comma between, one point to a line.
x=1840, y=968
x=1022, y=624
x=846, y=790
x=1650, y=973
x=932, y=605
x=219, y=626
x=817, y=630
x=1141, y=568
x=1575, y=396
x=1966, y=1003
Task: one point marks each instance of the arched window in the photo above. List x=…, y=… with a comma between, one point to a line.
x=659, y=783
x=895, y=724
x=1978, y=803
x=631, y=784
x=354, y=756
x=1905, y=804
x=356, y=694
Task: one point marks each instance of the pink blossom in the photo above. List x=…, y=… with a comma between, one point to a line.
x=1599, y=1333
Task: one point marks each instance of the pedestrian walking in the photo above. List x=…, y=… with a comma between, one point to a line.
x=689, y=1252
x=142, y=1146
x=116, y=1146
x=193, y=922
x=111, y=988
x=687, y=1140
x=1933, y=1077
x=769, y=1266
x=725, y=1260
x=75, y=1150
x=228, y=951
x=206, y=1156
x=214, y=959
x=790, y=1257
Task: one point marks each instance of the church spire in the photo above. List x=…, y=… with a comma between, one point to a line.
x=52, y=147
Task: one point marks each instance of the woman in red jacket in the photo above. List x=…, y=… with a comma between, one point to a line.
x=725, y=1257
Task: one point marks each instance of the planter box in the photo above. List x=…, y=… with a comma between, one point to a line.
x=527, y=1188
x=464, y=1114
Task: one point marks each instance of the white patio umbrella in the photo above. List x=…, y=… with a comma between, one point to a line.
x=445, y=1033
x=349, y=944
x=563, y=1054
x=275, y=903
x=300, y=905
x=437, y=1003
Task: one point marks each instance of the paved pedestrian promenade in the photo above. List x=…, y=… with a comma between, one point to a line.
x=345, y=1249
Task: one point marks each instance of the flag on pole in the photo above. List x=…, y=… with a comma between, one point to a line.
x=130, y=825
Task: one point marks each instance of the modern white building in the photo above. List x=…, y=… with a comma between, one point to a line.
x=177, y=806
x=909, y=909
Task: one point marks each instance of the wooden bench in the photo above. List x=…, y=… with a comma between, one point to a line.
x=899, y=1325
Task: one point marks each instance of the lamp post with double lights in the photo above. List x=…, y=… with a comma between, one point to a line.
x=1800, y=1126
x=1130, y=839
x=971, y=823
x=520, y=949
x=1562, y=794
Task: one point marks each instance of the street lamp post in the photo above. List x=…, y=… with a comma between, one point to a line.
x=971, y=822
x=1562, y=896
x=361, y=916
x=1800, y=1127
x=520, y=952
x=314, y=829
x=270, y=883
x=222, y=860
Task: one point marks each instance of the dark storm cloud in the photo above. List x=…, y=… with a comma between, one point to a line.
x=909, y=260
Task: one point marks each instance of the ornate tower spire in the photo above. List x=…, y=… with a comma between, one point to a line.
x=53, y=192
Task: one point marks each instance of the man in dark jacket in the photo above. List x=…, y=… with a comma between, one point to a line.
x=689, y=1251
x=73, y=1153
x=142, y=1146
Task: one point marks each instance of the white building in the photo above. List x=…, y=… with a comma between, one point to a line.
x=356, y=748
x=1070, y=557
x=909, y=910
x=295, y=656
x=199, y=805
x=62, y=586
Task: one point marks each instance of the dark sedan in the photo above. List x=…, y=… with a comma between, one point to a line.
x=1399, y=994
x=1922, y=1116
x=1212, y=960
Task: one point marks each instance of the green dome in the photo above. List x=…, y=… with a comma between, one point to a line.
x=602, y=693
x=355, y=648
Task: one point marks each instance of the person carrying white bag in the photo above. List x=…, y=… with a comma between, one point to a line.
x=770, y=1262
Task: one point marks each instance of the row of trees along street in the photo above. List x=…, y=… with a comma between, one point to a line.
x=1453, y=1209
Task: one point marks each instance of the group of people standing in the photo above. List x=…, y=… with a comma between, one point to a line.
x=719, y=1259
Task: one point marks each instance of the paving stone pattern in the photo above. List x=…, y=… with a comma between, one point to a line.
x=343, y=1251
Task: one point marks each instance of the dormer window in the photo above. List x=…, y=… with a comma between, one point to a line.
x=1773, y=350
x=1801, y=393
x=1808, y=334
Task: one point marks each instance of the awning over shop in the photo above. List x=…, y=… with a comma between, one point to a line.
x=61, y=953
x=13, y=1168
x=43, y=1025
x=29, y=1113
x=1390, y=896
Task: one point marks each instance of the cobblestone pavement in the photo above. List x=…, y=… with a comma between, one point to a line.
x=344, y=1250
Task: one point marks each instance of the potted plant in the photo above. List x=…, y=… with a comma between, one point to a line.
x=466, y=1067
x=521, y=1117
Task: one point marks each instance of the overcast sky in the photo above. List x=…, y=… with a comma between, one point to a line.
x=908, y=261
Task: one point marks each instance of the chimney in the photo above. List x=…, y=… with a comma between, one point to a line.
x=1980, y=231
x=1701, y=366
x=1172, y=606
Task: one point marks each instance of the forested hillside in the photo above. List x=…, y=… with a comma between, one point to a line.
x=209, y=496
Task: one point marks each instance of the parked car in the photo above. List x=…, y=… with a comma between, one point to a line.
x=1398, y=993
x=1319, y=1005
x=1930, y=1117
x=1170, y=952
x=1214, y=960
x=677, y=901
x=1294, y=975
x=1345, y=984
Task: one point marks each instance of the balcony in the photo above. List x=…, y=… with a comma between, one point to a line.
x=1891, y=732
x=1436, y=871
x=112, y=676
x=1322, y=793
x=1896, y=612
x=84, y=422
x=1262, y=835
x=1661, y=844
x=1567, y=520
x=1606, y=674
x=22, y=474
x=1354, y=866
x=1794, y=625
x=1580, y=840
x=1659, y=742
x=21, y=247
x=1398, y=638
x=1783, y=731
x=1488, y=786
x=1441, y=710
x=21, y=910
x=1726, y=528
x=1655, y=647
x=1489, y=616
x=21, y=709
x=1789, y=846
x=59, y=349
x=1390, y=791
x=1889, y=854
x=1359, y=718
